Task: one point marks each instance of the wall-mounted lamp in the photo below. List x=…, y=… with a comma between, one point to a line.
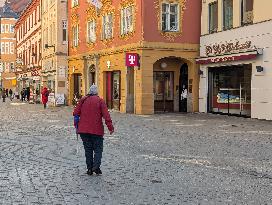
x=164, y=65
x=259, y=69
x=200, y=72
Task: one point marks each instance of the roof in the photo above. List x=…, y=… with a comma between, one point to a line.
x=7, y=12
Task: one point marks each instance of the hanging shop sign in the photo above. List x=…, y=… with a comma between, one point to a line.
x=132, y=59
x=227, y=48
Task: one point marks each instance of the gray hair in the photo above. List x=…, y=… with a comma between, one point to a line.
x=93, y=90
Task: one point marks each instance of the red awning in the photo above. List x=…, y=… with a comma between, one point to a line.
x=227, y=58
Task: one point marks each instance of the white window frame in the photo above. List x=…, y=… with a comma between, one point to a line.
x=7, y=48
x=168, y=14
x=3, y=27
x=2, y=48
x=11, y=28
x=91, y=31
x=127, y=20
x=11, y=50
x=107, y=26
x=75, y=31
x=7, y=27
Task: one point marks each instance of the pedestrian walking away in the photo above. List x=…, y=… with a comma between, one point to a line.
x=88, y=122
x=45, y=94
x=4, y=95
x=10, y=94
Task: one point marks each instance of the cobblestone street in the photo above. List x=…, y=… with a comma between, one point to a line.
x=160, y=159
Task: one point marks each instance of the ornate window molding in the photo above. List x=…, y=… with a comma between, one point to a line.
x=170, y=33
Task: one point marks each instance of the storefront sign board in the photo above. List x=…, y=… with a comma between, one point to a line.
x=132, y=59
x=59, y=99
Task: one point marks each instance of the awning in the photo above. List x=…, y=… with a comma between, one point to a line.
x=227, y=58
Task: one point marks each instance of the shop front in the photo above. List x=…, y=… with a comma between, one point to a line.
x=235, y=74
x=230, y=90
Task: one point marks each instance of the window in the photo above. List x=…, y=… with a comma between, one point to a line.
x=3, y=28
x=7, y=47
x=74, y=3
x=64, y=31
x=246, y=12
x=107, y=23
x=126, y=20
x=227, y=14
x=12, y=67
x=91, y=35
x=3, y=48
x=7, y=28
x=11, y=48
x=213, y=17
x=11, y=28
x=170, y=17
x=75, y=31
x=4, y=66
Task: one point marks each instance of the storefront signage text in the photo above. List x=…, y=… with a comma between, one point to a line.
x=35, y=73
x=226, y=48
x=226, y=59
x=132, y=59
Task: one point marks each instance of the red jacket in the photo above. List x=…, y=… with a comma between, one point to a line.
x=91, y=109
x=45, y=94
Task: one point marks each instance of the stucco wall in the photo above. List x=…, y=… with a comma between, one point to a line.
x=261, y=37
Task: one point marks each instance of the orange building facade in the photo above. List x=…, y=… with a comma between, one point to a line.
x=139, y=53
x=8, y=42
x=28, y=36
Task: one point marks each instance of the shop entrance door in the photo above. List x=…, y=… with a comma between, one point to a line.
x=183, y=88
x=113, y=89
x=77, y=86
x=230, y=90
x=163, y=91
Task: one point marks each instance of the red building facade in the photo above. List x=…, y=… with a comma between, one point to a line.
x=165, y=36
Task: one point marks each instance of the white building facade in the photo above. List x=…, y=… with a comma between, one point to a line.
x=236, y=58
x=55, y=50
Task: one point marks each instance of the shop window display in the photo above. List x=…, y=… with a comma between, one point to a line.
x=230, y=90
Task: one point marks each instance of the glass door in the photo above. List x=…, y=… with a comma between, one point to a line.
x=116, y=89
x=163, y=91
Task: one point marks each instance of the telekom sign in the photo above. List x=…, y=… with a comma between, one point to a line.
x=132, y=59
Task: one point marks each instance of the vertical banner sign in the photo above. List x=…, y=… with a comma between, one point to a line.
x=132, y=59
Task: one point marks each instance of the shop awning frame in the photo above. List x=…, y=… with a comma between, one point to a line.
x=229, y=57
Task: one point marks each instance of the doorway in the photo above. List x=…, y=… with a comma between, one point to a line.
x=183, y=88
x=77, y=85
x=163, y=91
x=113, y=85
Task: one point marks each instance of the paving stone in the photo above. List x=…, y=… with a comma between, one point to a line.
x=159, y=159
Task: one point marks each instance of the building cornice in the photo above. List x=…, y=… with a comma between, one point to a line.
x=161, y=46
